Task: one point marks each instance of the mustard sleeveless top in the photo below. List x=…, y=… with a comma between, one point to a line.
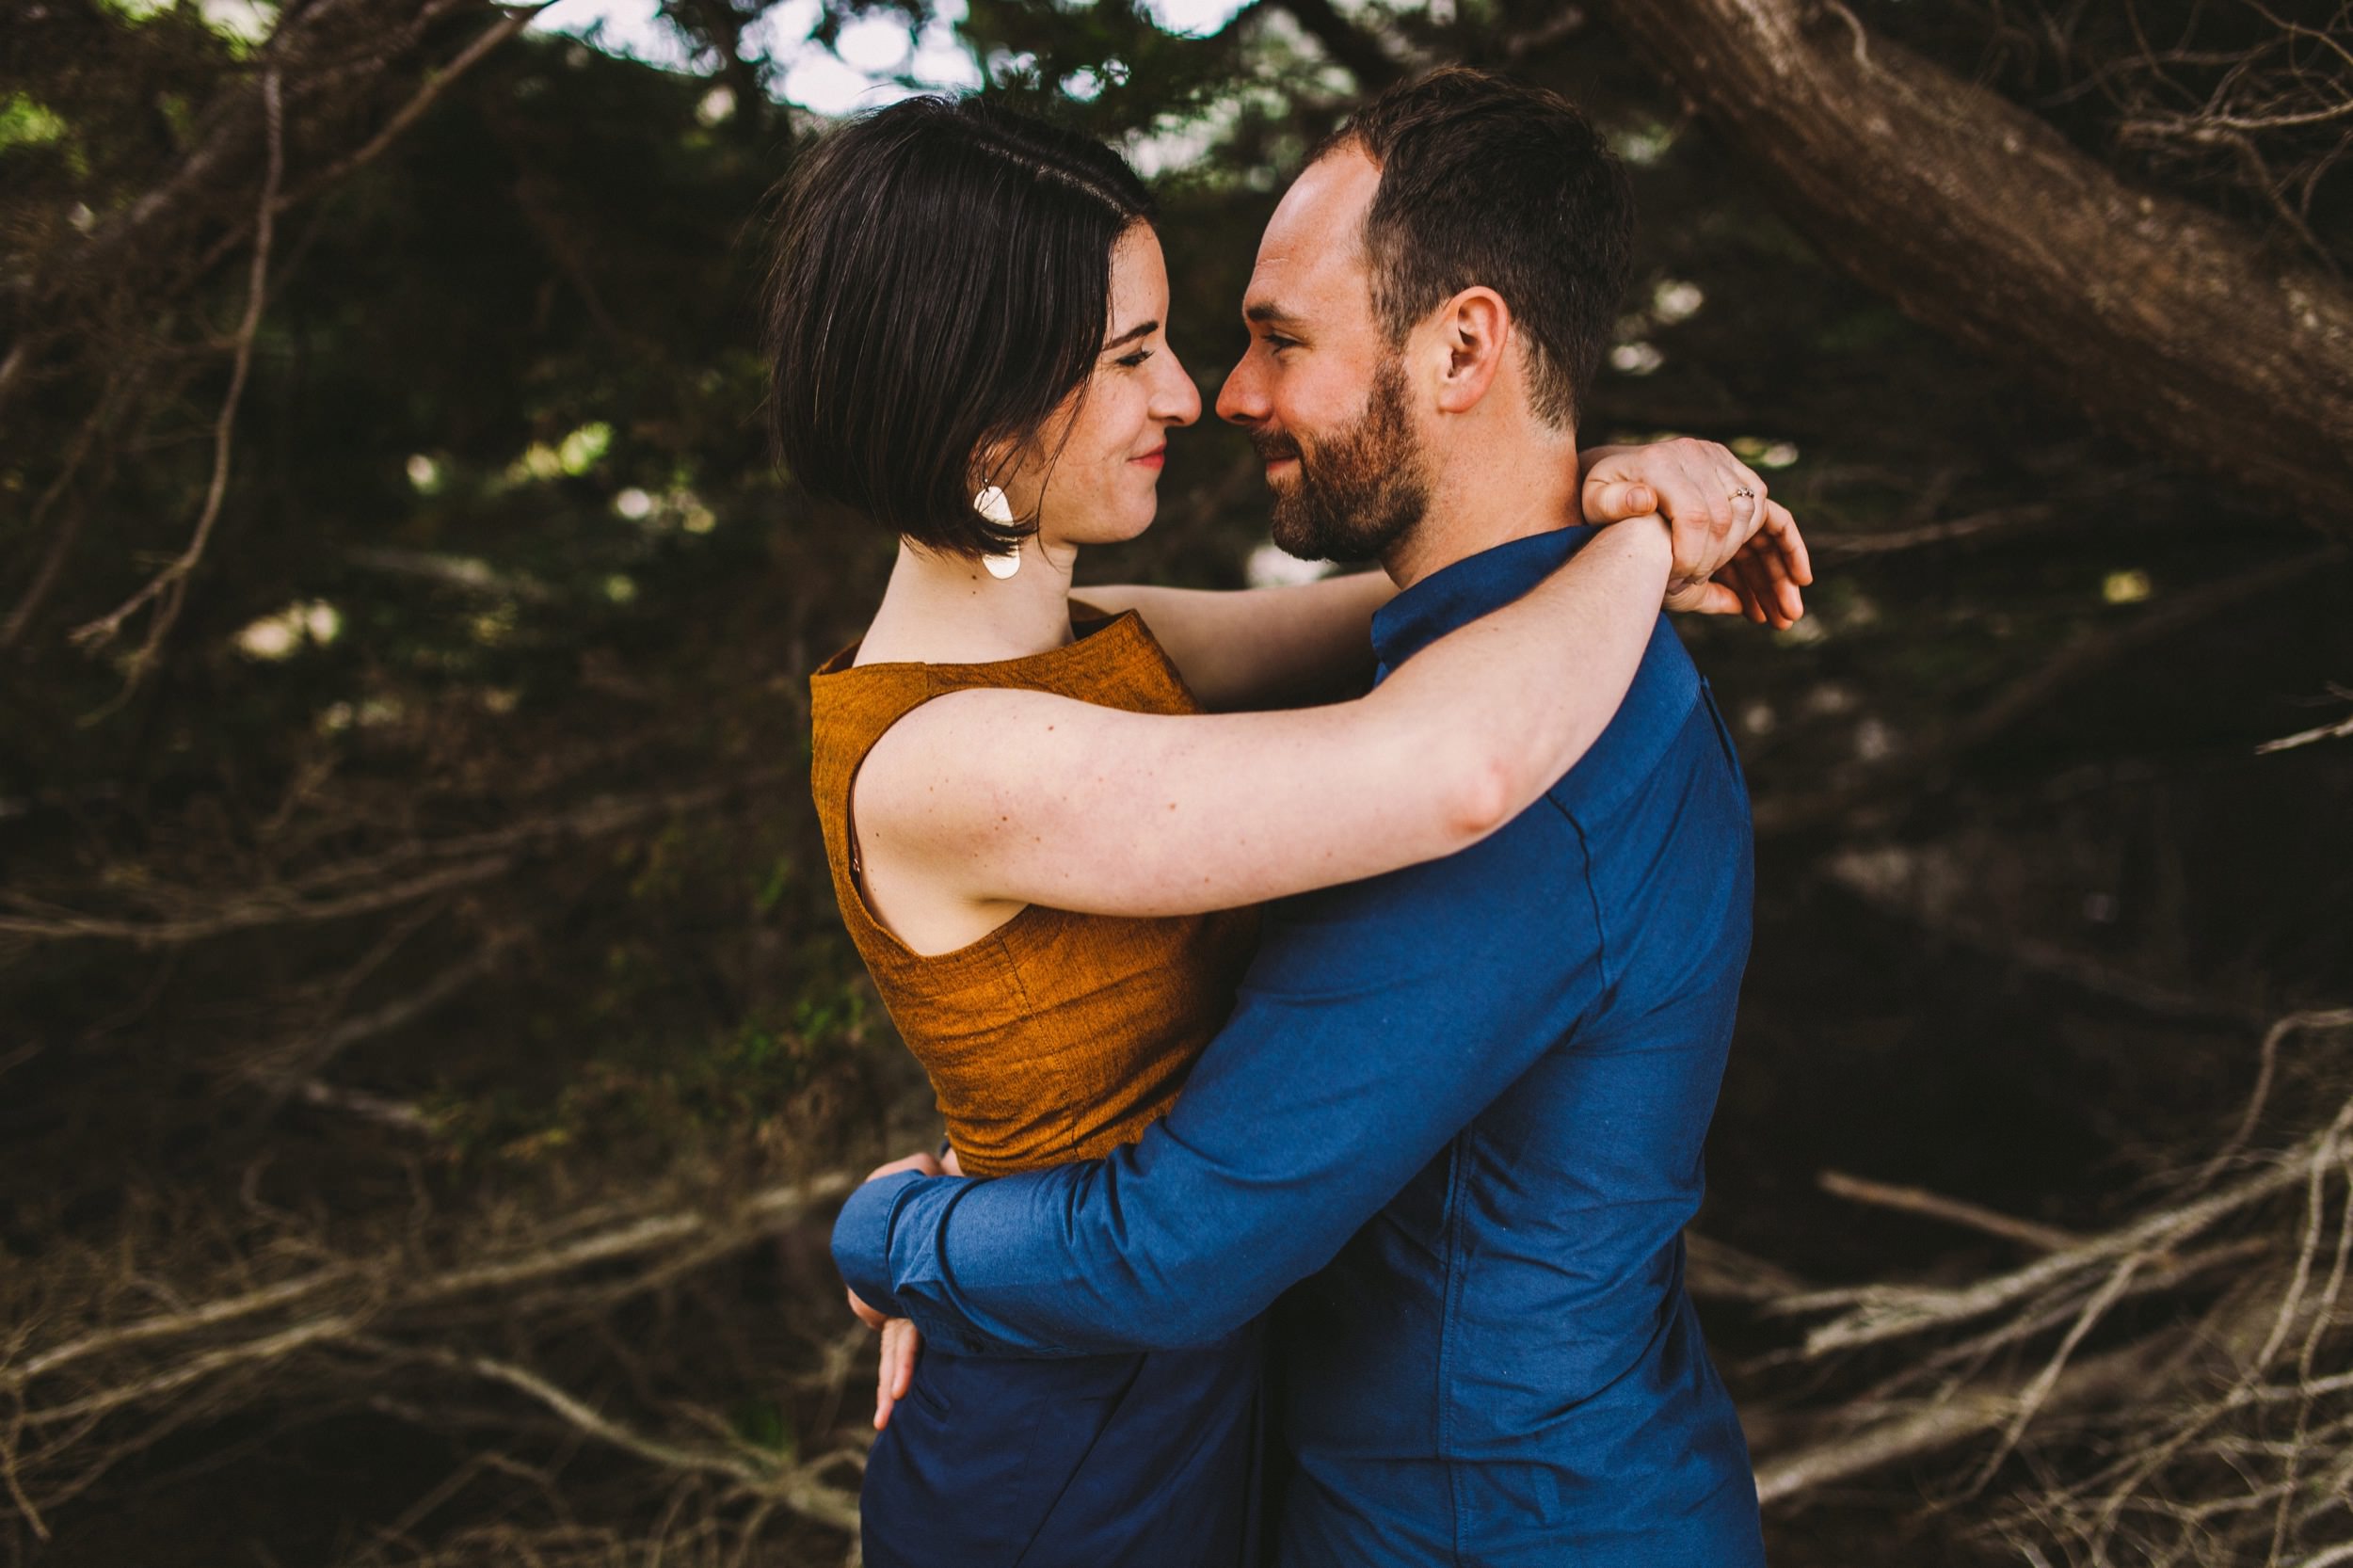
x=1058, y=1036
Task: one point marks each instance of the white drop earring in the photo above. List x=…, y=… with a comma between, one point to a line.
x=991, y=503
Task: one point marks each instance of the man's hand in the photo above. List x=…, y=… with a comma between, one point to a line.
x=1736, y=550
x=899, y=1340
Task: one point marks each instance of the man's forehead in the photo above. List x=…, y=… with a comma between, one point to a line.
x=1315, y=238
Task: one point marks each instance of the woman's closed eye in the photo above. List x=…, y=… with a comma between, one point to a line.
x=1132, y=360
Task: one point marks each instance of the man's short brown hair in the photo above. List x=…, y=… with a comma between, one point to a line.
x=1485, y=180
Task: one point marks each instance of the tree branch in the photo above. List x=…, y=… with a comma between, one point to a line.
x=2158, y=317
x=168, y=589
x=2087, y=656
x=1935, y=1205
x=1346, y=42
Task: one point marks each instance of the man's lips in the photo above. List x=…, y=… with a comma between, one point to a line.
x=1273, y=452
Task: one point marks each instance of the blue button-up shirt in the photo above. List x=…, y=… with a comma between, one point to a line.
x=1460, y=1108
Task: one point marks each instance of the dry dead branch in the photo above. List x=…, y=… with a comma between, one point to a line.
x=2220, y=1433
x=1915, y=1200
x=2336, y=731
x=360, y=884
x=87, y=1399
x=168, y=590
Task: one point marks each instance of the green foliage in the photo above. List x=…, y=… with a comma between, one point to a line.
x=25, y=121
x=766, y=1426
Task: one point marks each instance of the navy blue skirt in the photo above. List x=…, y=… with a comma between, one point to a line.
x=1143, y=1460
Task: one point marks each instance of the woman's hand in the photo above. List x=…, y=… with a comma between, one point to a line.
x=901, y=1339
x=1736, y=550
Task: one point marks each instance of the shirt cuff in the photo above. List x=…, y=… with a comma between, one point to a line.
x=862, y=1241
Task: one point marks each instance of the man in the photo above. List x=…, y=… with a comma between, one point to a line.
x=1471, y=1093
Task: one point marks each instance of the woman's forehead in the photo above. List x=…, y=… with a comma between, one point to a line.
x=1139, y=280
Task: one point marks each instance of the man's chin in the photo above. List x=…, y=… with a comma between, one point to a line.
x=1293, y=536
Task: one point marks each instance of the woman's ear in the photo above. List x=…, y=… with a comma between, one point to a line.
x=994, y=463
x=1474, y=332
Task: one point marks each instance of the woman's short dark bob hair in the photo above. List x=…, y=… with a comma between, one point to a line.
x=941, y=283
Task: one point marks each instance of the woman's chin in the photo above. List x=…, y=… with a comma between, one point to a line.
x=1133, y=526
x=1106, y=531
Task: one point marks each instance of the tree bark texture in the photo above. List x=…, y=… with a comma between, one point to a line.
x=2163, y=320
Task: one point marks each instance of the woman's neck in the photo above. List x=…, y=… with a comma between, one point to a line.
x=942, y=608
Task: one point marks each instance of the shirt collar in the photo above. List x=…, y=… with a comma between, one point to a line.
x=1459, y=594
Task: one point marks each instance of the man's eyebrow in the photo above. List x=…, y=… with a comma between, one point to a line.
x=1265, y=313
x=1142, y=329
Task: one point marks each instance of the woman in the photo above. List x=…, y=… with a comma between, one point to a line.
x=1048, y=823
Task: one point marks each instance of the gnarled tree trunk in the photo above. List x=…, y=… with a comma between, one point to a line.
x=2163, y=320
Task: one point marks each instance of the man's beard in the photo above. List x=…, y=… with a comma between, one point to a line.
x=1357, y=491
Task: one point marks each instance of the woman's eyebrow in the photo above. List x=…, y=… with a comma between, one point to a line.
x=1142, y=329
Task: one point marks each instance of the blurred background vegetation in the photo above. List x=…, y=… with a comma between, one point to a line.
x=429, y=1052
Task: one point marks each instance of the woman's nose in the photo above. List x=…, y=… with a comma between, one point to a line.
x=1175, y=400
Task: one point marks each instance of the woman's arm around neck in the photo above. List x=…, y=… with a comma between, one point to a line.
x=999, y=798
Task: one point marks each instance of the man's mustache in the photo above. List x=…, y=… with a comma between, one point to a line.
x=1273, y=446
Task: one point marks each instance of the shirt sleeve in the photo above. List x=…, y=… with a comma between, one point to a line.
x=1378, y=1019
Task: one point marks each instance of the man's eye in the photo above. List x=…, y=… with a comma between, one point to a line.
x=1276, y=342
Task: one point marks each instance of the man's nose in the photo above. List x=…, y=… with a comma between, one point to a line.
x=1242, y=400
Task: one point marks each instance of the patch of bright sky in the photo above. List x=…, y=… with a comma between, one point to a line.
x=244, y=22
x=864, y=72
x=1191, y=16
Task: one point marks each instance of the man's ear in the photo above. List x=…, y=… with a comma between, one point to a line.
x=1474, y=332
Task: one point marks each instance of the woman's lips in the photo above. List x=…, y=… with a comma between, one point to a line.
x=1153, y=458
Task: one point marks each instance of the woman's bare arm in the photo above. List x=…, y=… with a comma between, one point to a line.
x=1011, y=797
x=1261, y=647
x=1275, y=648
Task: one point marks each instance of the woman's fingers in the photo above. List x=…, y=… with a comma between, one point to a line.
x=1755, y=593
x=1772, y=587
x=1683, y=495
x=1716, y=506
x=1717, y=595
x=1735, y=504
x=1792, y=544
x=1718, y=598
x=1741, y=572
x=1782, y=553
x=1792, y=601
x=1744, y=495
